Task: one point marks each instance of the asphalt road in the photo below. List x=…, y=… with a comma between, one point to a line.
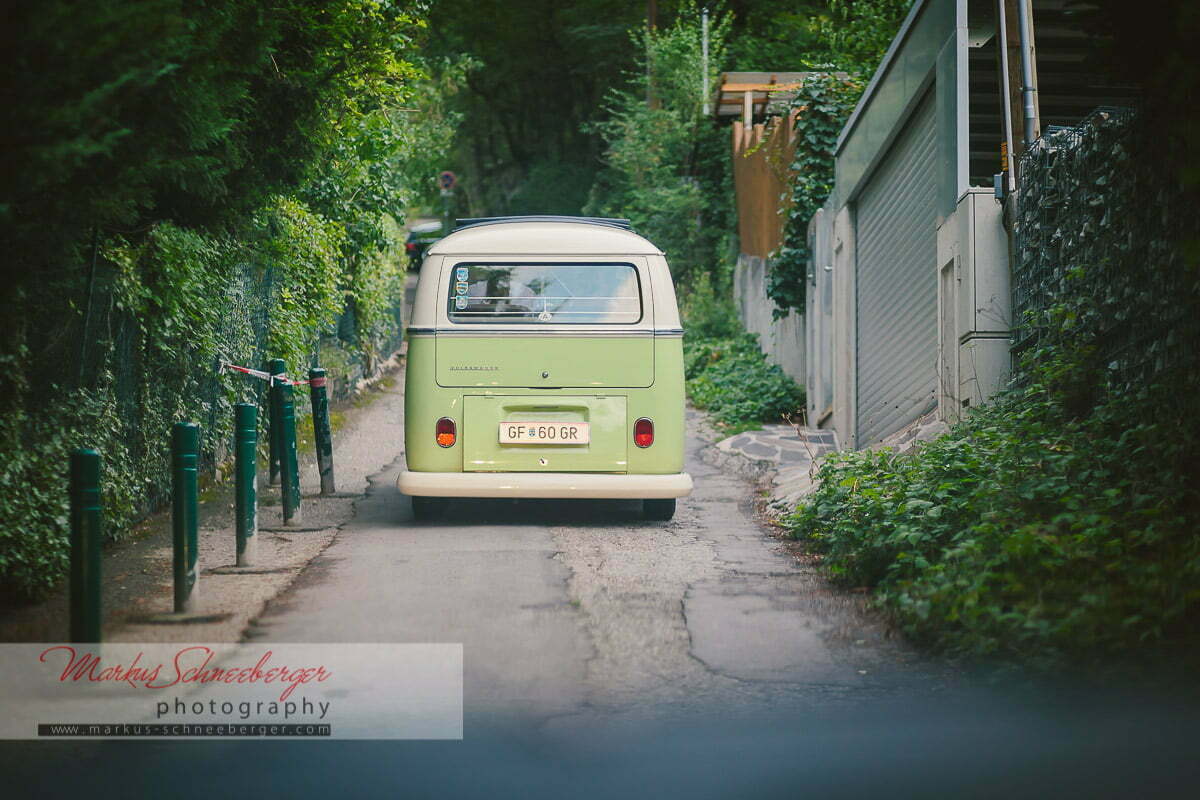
x=580, y=608
x=606, y=657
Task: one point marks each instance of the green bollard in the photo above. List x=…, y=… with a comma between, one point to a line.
x=322, y=436
x=288, y=462
x=185, y=462
x=275, y=366
x=245, y=446
x=86, y=532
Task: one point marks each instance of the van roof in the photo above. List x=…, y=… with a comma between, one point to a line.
x=543, y=236
x=611, y=221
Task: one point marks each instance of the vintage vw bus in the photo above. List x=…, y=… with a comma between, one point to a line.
x=545, y=360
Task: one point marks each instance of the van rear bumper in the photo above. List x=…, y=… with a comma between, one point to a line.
x=544, y=485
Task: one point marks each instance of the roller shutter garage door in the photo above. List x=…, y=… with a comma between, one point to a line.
x=896, y=285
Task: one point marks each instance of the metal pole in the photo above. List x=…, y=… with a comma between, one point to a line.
x=1007, y=95
x=704, y=58
x=87, y=314
x=86, y=531
x=245, y=450
x=185, y=462
x=1027, y=87
x=275, y=366
x=288, y=462
x=322, y=435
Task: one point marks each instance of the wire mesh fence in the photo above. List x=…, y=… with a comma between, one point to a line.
x=150, y=388
x=1098, y=248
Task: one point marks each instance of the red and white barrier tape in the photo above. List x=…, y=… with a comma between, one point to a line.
x=261, y=374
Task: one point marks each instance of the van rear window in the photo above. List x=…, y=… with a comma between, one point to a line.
x=545, y=293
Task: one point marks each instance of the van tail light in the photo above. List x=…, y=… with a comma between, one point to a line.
x=447, y=432
x=410, y=247
x=643, y=432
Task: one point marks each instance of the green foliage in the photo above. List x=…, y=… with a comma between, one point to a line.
x=707, y=311
x=855, y=36
x=733, y=381
x=1063, y=518
x=304, y=249
x=773, y=35
x=191, y=184
x=1023, y=533
x=196, y=112
x=666, y=169
x=859, y=32
x=33, y=539
x=543, y=70
x=824, y=103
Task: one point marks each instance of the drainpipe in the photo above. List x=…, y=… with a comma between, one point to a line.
x=1027, y=87
x=1007, y=97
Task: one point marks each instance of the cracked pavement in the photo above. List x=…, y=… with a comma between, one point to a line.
x=573, y=610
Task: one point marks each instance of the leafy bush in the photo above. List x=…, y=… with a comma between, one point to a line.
x=1023, y=532
x=733, y=381
x=706, y=308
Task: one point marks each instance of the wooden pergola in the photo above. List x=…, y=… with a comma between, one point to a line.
x=747, y=94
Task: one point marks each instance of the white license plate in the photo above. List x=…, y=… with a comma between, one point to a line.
x=544, y=433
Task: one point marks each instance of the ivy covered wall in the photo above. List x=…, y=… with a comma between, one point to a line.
x=1103, y=238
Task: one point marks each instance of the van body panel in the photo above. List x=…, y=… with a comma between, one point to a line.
x=540, y=360
x=425, y=402
x=485, y=414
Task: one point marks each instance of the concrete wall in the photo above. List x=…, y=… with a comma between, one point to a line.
x=973, y=304
x=782, y=340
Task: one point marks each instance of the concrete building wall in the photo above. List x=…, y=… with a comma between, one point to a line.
x=973, y=304
x=969, y=265
x=782, y=340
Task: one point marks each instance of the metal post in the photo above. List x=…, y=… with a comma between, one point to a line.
x=245, y=447
x=322, y=435
x=185, y=458
x=704, y=58
x=275, y=366
x=288, y=462
x=86, y=530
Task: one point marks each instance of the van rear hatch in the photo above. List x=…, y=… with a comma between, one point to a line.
x=539, y=433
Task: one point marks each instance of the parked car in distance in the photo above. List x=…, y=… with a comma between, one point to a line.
x=420, y=237
x=545, y=360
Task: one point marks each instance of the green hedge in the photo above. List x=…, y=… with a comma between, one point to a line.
x=168, y=307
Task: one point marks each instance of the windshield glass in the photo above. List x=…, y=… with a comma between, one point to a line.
x=545, y=293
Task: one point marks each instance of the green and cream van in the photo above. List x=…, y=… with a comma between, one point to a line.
x=545, y=360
